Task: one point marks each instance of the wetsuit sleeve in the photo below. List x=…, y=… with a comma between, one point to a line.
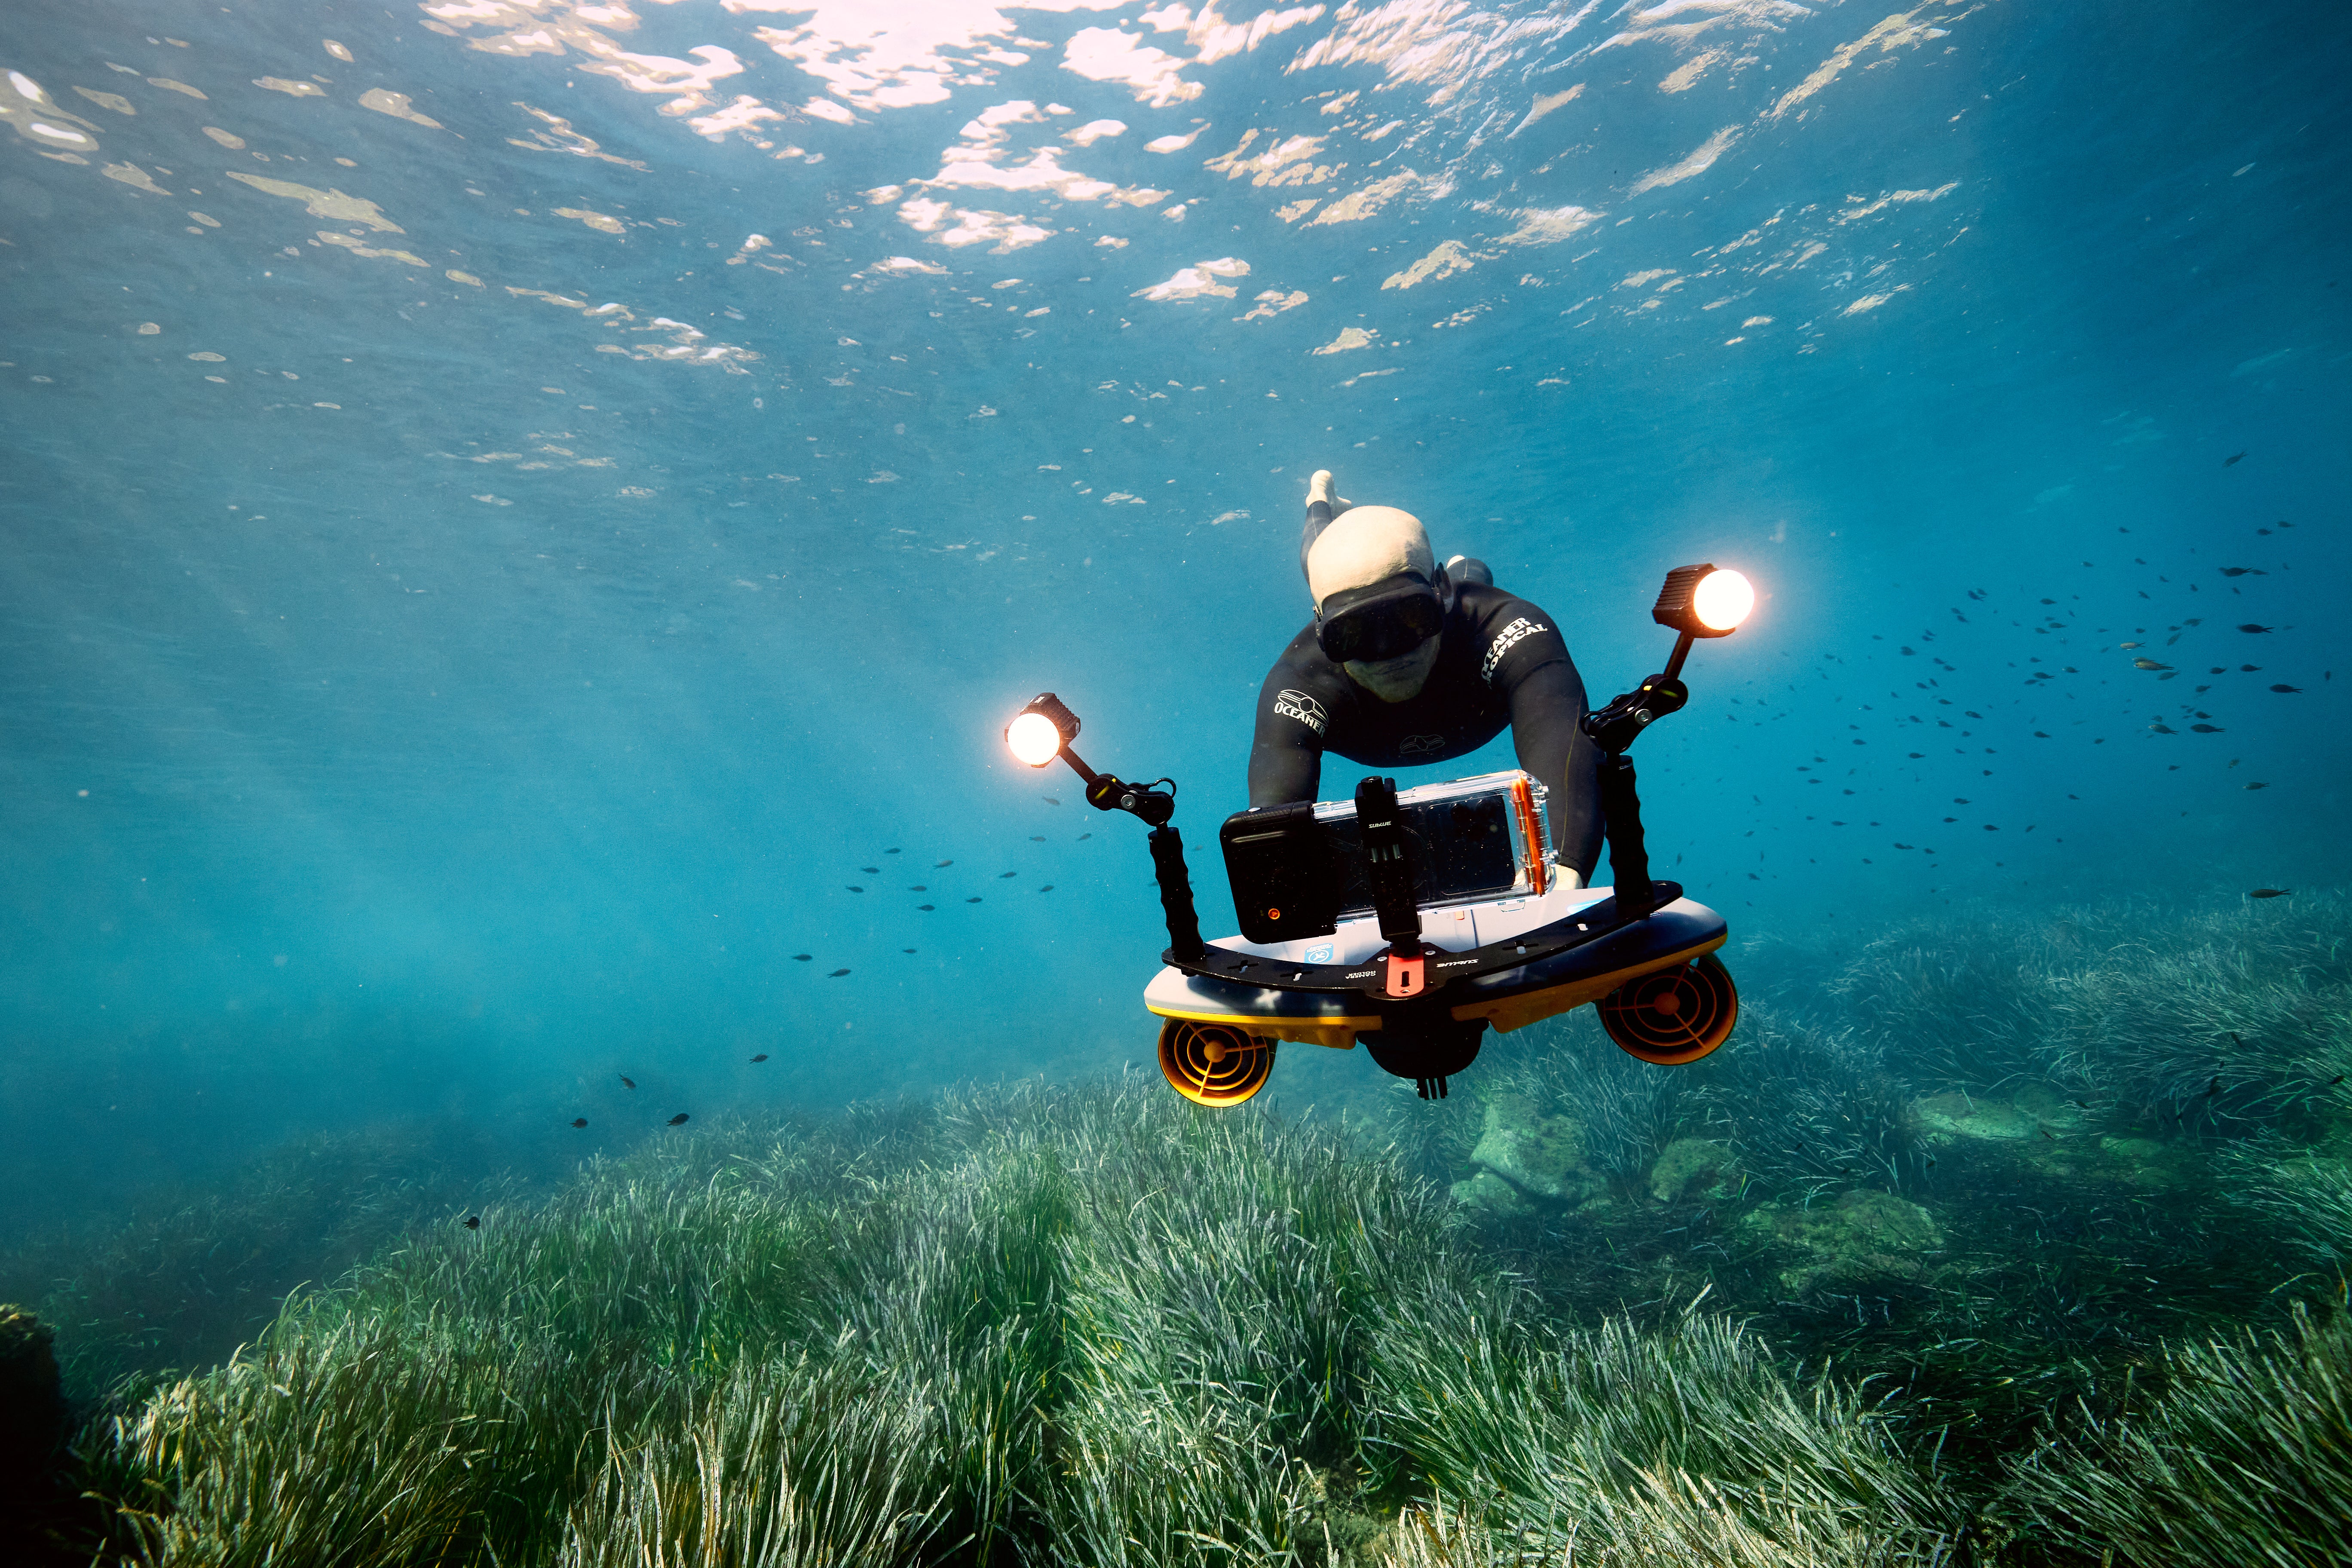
x=1318, y=518
x=1286, y=751
x=1546, y=703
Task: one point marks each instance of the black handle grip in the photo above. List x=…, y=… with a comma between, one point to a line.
x=1629, y=860
x=1387, y=859
x=1175, y=893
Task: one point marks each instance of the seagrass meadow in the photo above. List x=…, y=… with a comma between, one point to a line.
x=561, y=1006
x=1955, y=1255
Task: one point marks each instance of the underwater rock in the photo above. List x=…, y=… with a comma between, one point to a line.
x=32, y=1408
x=2024, y=1113
x=2151, y=1164
x=1541, y=1156
x=1960, y=1115
x=1489, y=1192
x=1686, y=1164
x=2046, y=1103
x=1861, y=1236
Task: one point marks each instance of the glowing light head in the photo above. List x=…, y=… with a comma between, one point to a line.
x=1035, y=739
x=1703, y=601
x=1722, y=600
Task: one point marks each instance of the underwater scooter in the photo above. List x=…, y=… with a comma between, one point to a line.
x=1346, y=909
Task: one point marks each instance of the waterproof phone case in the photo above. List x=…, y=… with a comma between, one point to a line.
x=1296, y=869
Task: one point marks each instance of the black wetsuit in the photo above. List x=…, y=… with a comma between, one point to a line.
x=1501, y=660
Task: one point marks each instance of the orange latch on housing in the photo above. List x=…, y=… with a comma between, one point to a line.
x=1405, y=976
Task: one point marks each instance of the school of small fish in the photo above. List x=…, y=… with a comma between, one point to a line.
x=844, y=973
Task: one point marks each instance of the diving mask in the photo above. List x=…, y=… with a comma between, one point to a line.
x=1382, y=621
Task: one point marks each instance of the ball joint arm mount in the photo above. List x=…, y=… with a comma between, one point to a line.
x=1616, y=727
x=1108, y=792
x=1155, y=806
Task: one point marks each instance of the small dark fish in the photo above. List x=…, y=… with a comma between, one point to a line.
x=890, y=852
x=761, y=1058
x=2250, y=627
x=1931, y=1159
x=2334, y=1081
x=906, y=950
x=971, y=900
x=2257, y=786
x=1036, y=838
x=802, y=957
x=927, y=907
x=1046, y=888
x=854, y=888
x=2215, y=1087
x=918, y=888
x=1049, y=800
x=679, y=1121
x=1084, y=837
x=871, y=871
x=836, y=975
x=2246, y=668
x=2244, y=572
x=2162, y=729
x=628, y=1083
x=2283, y=686
x=940, y=863
x=2206, y=729
x=1004, y=876
x=2232, y=459
x=473, y=1222
x=2269, y=892
x=2047, y=1134
x=579, y=1121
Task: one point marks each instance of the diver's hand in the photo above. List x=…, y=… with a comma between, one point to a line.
x=1321, y=490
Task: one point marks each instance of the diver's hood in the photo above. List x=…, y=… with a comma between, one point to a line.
x=1367, y=545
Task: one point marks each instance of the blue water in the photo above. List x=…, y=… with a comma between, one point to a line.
x=472, y=614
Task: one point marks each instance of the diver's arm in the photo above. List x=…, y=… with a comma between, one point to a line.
x=1548, y=730
x=1283, y=766
x=1287, y=749
x=1323, y=503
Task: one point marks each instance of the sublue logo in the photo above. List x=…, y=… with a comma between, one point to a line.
x=1319, y=954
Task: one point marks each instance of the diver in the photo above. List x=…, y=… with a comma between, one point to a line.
x=1407, y=662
